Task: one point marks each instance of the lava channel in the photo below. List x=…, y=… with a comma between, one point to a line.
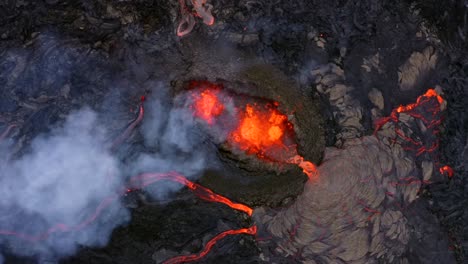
x=138, y=182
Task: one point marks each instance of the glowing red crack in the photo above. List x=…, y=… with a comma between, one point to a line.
x=128, y=131
x=446, y=170
x=194, y=257
x=136, y=182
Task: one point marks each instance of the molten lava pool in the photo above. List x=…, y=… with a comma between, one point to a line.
x=255, y=126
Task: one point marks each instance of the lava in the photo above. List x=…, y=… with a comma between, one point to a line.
x=307, y=167
x=446, y=170
x=201, y=9
x=194, y=257
x=396, y=161
x=430, y=93
x=128, y=131
x=207, y=105
x=260, y=130
x=60, y=227
x=431, y=103
x=408, y=109
x=264, y=132
x=137, y=182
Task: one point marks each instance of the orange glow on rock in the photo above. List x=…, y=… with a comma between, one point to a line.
x=429, y=93
x=207, y=105
x=446, y=170
x=307, y=167
x=145, y=179
x=194, y=257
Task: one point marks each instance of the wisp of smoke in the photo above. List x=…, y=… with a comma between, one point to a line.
x=177, y=142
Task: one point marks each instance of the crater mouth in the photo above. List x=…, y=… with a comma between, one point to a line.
x=256, y=138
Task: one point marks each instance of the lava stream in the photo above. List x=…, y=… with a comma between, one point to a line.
x=307, y=167
x=194, y=257
x=432, y=103
x=128, y=131
x=136, y=182
x=145, y=179
x=201, y=9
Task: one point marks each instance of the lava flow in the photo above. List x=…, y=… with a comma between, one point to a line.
x=430, y=103
x=201, y=9
x=145, y=179
x=261, y=129
x=139, y=182
x=182, y=259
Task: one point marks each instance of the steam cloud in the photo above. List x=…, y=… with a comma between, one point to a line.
x=177, y=142
x=61, y=181
x=68, y=172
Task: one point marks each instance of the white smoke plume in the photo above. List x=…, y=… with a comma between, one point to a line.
x=61, y=180
x=173, y=133
x=52, y=191
x=68, y=172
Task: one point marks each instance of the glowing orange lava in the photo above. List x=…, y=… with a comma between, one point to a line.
x=259, y=130
x=431, y=102
x=194, y=257
x=307, y=167
x=421, y=99
x=262, y=132
x=207, y=105
x=446, y=170
x=204, y=193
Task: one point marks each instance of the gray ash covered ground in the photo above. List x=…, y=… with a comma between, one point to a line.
x=56, y=56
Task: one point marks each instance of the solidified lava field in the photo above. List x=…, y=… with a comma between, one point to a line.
x=242, y=131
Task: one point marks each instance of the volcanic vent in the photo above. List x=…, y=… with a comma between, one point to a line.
x=258, y=124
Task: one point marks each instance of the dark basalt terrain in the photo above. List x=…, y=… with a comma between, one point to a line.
x=58, y=56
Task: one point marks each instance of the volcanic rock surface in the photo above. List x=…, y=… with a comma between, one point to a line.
x=363, y=207
x=354, y=60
